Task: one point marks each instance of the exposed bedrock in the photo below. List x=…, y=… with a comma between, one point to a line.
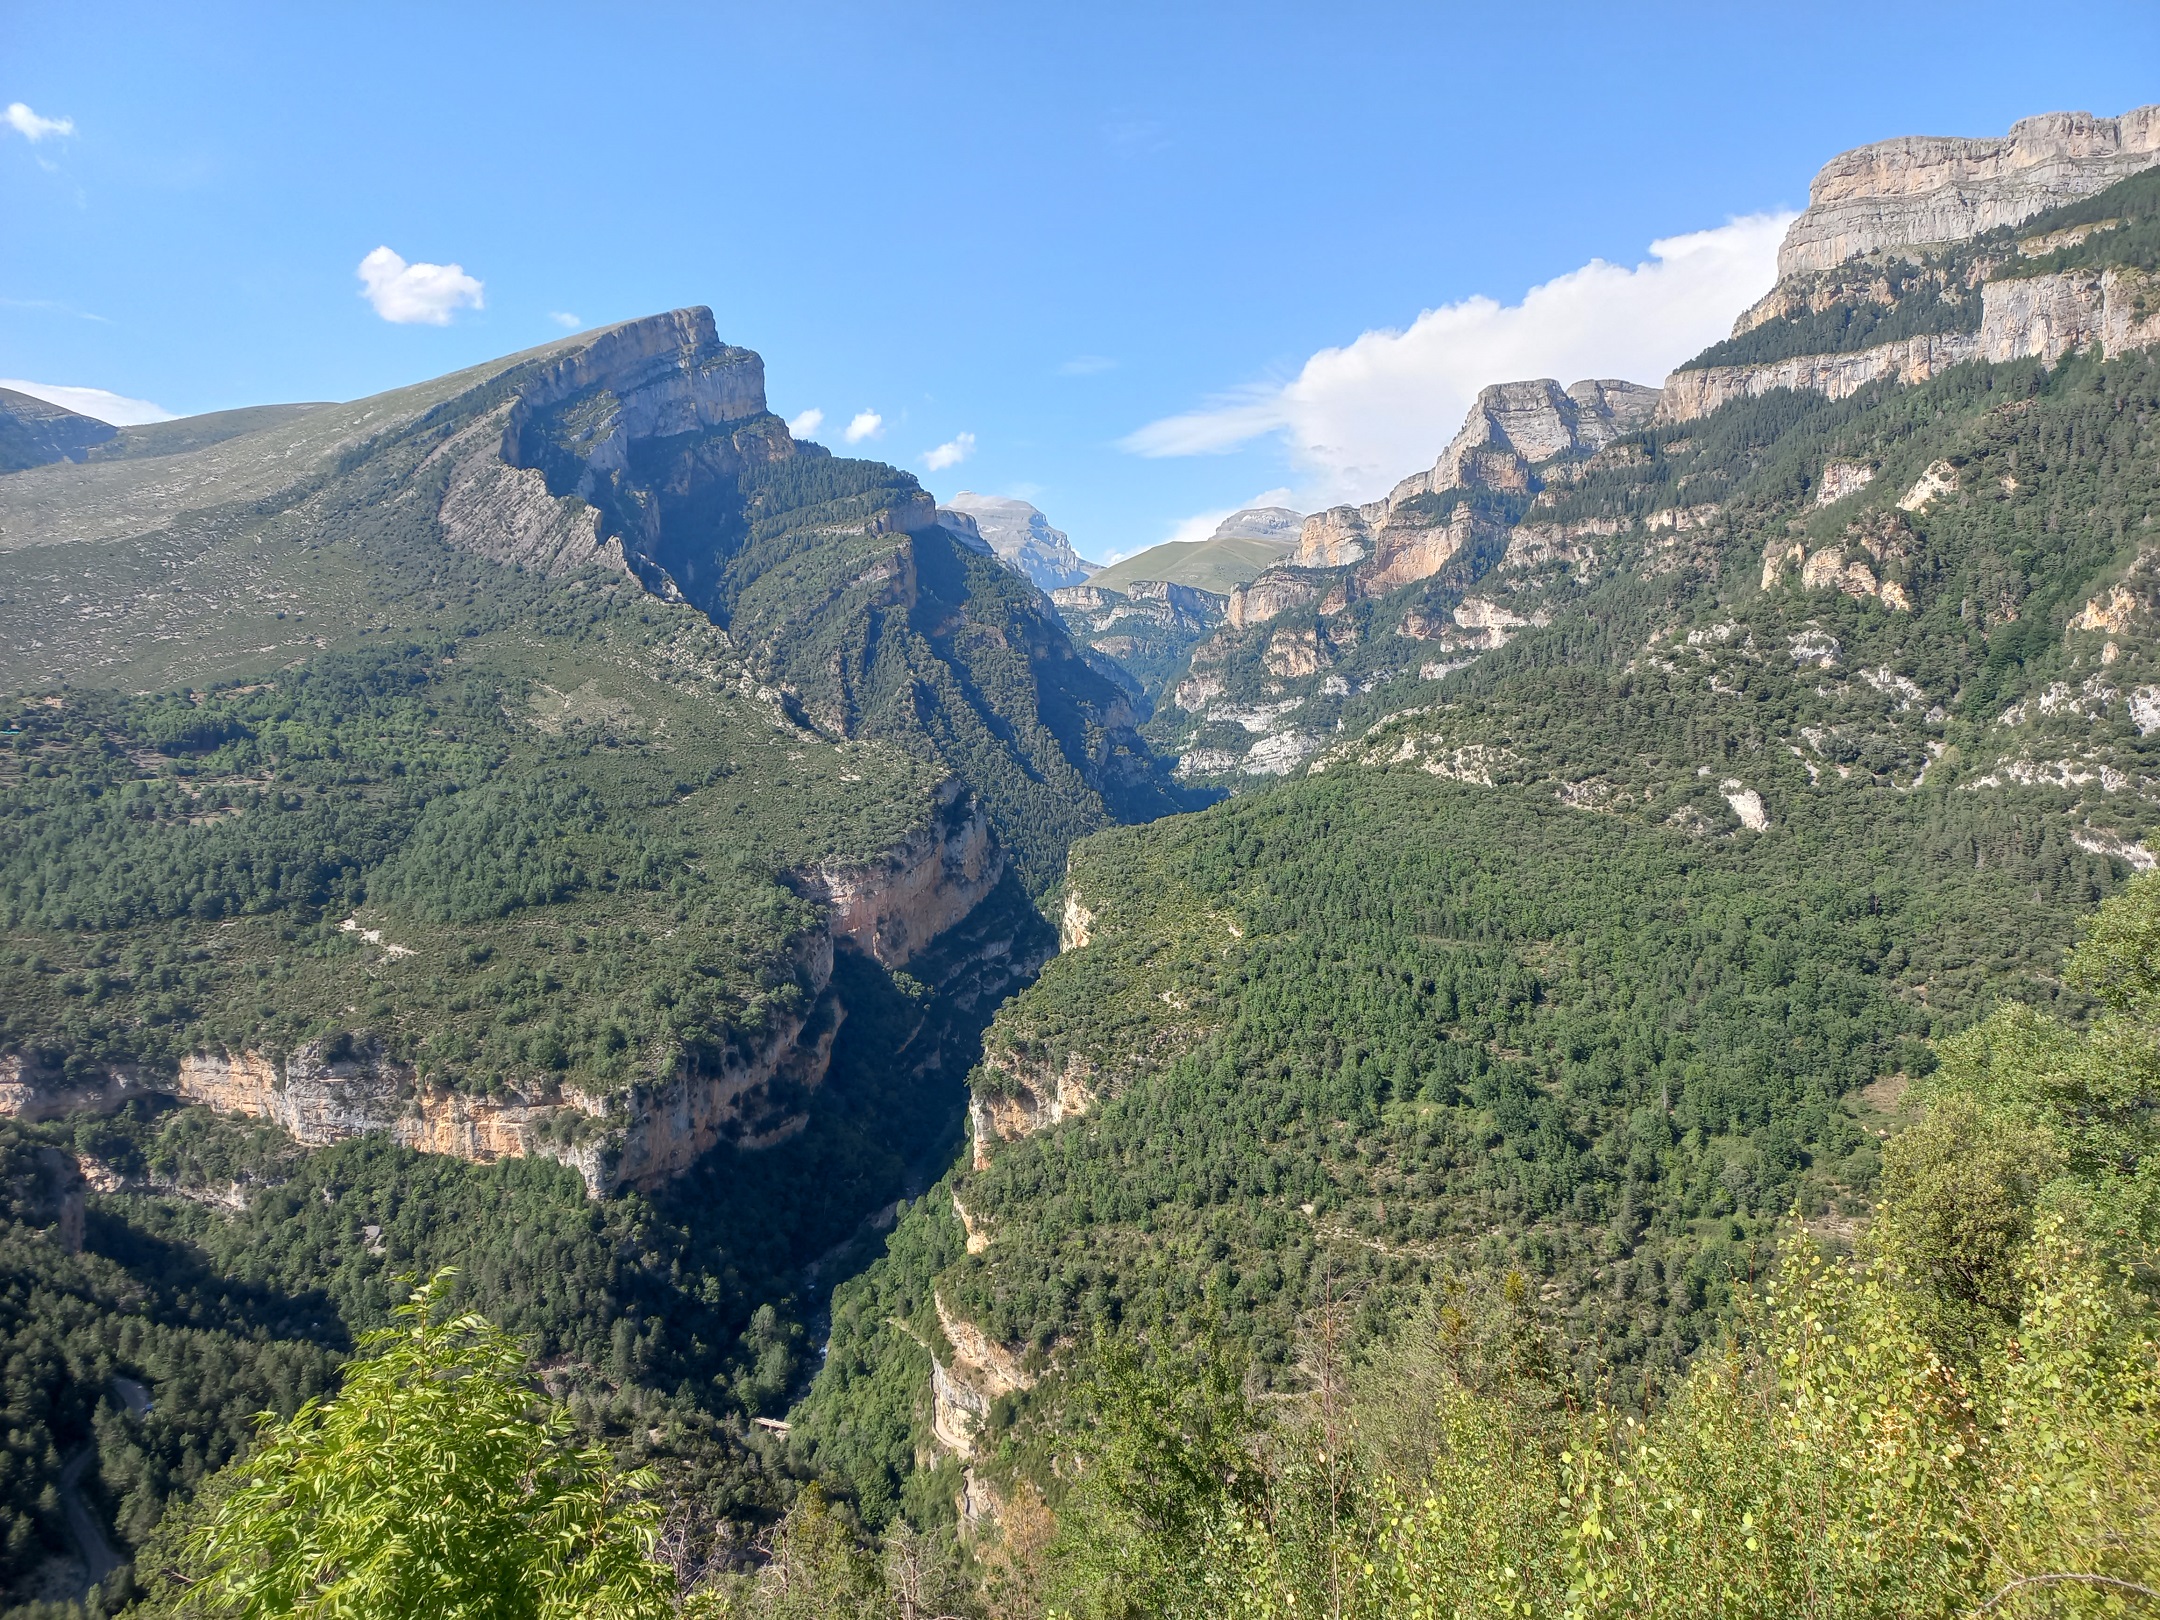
x=1922, y=191
x=736, y=1090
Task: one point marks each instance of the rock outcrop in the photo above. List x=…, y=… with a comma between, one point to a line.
x=1696, y=393
x=2022, y=317
x=1024, y=539
x=1022, y=1098
x=962, y=1391
x=1920, y=191
x=1512, y=430
x=330, y=1090
x=2046, y=317
x=891, y=909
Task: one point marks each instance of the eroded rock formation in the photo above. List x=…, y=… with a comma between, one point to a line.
x=1925, y=190
x=329, y=1090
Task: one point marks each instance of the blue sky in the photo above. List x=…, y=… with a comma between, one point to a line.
x=1103, y=241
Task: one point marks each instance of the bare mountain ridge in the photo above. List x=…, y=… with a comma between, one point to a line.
x=1026, y=540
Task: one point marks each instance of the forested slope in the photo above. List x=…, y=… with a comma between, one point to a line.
x=1599, y=960
x=551, y=760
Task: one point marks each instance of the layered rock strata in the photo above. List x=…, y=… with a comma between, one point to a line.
x=1512, y=430
x=1920, y=191
x=331, y=1090
x=2022, y=318
x=962, y=1390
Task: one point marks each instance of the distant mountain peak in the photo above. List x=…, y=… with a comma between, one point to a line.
x=1260, y=523
x=1024, y=539
x=35, y=431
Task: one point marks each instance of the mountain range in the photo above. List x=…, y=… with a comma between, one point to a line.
x=835, y=971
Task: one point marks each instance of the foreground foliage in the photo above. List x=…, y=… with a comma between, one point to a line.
x=438, y=1480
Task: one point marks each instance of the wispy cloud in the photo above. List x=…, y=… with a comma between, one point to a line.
x=101, y=403
x=1134, y=137
x=1357, y=418
x=951, y=453
x=416, y=294
x=55, y=307
x=33, y=128
x=806, y=424
x=564, y=319
x=866, y=425
x=1087, y=365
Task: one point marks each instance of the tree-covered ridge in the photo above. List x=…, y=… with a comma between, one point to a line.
x=1376, y=1027
x=569, y=836
x=1696, y=588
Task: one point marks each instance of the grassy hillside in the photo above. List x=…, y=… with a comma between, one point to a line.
x=1206, y=565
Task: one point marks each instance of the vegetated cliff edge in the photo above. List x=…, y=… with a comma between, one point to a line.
x=663, y=571
x=1916, y=255
x=331, y=1089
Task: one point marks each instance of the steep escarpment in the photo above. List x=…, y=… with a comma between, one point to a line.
x=2028, y=249
x=1919, y=191
x=687, y=703
x=745, y=1089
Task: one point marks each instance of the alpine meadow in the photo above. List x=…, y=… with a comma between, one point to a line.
x=606, y=1010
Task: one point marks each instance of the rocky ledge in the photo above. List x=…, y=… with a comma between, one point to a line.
x=326, y=1091
x=1925, y=190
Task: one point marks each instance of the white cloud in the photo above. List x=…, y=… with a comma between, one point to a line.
x=1087, y=365
x=806, y=424
x=564, y=319
x=951, y=453
x=31, y=127
x=416, y=294
x=101, y=403
x=1356, y=419
x=867, y=425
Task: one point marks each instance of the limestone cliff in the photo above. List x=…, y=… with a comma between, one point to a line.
x=980, y=1370
x=330, y=1090
x=892, y=908
x=1693, y=393
x=2032, y=317
x=1923, y=190
x=1511, y=431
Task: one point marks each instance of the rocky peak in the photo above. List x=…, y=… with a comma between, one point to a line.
x=34, y=431
x=1512, y=428
x=1260, y=523
x=1024, y=539
x=1922, y=191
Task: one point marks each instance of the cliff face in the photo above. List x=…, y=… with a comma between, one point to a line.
x=1512, y=430
x=1923, y=190
x=890, y=910
x=1690, y=394
x=2033, y=317
x=980, y=1371
x=328, y=1091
